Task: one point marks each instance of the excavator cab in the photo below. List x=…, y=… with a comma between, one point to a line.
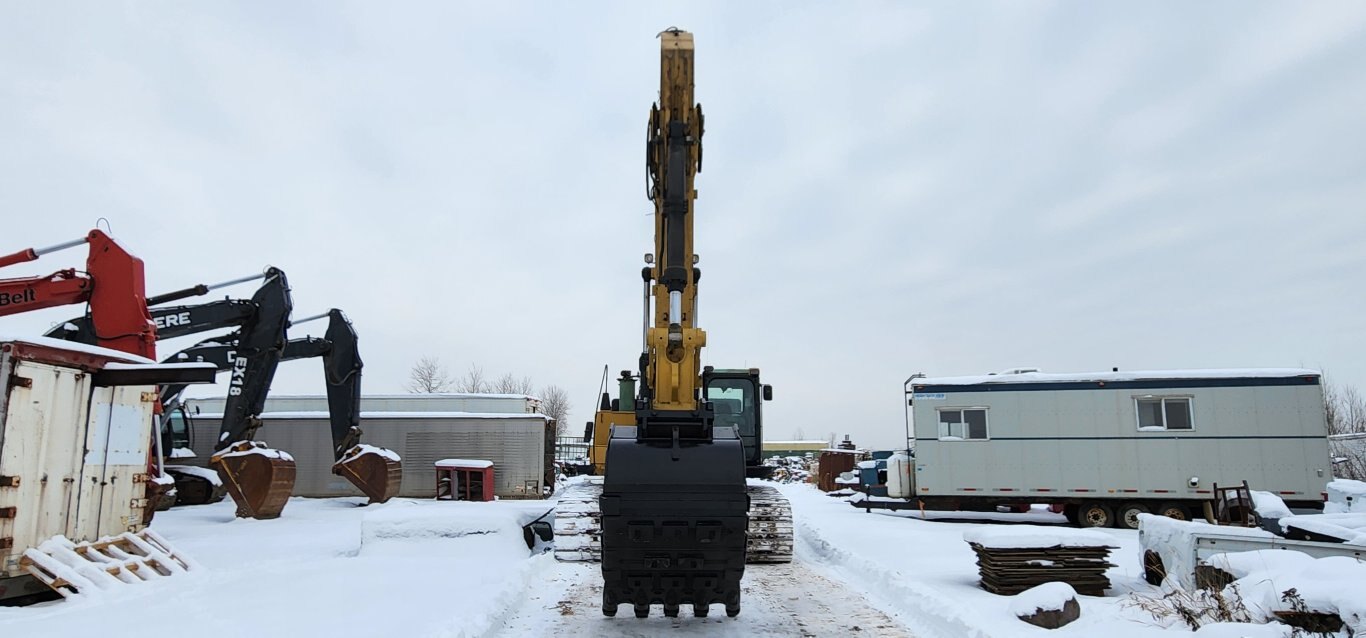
x=176, y=431
x=736, y=397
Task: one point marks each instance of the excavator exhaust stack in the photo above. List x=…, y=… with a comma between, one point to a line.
x=376, y=471
x=259, y=479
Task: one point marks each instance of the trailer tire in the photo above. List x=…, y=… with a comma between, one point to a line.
x=1153, y=570
x=1127, y=516
x=1175, y=511
x=1095, y=514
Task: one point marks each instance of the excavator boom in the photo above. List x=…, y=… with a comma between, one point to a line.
x=118, y=305
x=674, y=509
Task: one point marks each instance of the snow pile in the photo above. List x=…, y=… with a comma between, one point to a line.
x=1345, y=495
x=1349, y=528
x=1174, y=542
x=203, y=473
x=1045, y=597
x=1244, y=630
x=1269, y=505
x=460, y=519
x=922, y=573
x=307, y=574
x=790, y=469
x=464, y=463
x=1026, y=536
x=181, y=453
x=1328, y=585
x=366, y=448
x=60, y=344
x=1113, y=376
x=250, y=448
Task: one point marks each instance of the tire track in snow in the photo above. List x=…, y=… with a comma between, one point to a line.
x=776, y=600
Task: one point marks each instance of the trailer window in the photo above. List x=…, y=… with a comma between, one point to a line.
x=1164, y=413
x=963, y=424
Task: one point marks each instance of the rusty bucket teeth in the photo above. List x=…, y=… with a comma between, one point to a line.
x=259, y=479
x=375, y=470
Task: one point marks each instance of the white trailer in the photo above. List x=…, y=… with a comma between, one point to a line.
x=1108, y=446
x=75, y=437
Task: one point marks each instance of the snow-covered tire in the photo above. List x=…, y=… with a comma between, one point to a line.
x=1095, y=514
x=1175, y=511
x=1127, y=516
x=1153, y=570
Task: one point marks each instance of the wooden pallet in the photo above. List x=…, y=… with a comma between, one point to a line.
x=77, y=568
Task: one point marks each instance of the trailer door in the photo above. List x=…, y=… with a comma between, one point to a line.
x=112, y=489
x=40, y=457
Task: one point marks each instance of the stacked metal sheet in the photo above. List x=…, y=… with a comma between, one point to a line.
x=1009, y=571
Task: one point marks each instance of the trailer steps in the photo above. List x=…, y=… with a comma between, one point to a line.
x=72, y=569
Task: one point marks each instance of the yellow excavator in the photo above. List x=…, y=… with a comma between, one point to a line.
x=672, y=520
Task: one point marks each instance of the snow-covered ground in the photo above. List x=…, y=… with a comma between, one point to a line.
x=326, y=567
x=425, y=568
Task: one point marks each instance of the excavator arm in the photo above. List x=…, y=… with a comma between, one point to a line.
x=176, y=321
x=673, y=504
x=376, y=472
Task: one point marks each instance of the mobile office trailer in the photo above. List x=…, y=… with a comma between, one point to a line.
x=75, y=437
x=516, y=443
x=1107, y=446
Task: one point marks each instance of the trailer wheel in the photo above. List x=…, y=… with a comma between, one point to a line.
x=1095, y=515
x=1175, y=511
x=1153, y=570
x=1127, y=516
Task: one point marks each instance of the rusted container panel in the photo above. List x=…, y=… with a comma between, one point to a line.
x=830, y=465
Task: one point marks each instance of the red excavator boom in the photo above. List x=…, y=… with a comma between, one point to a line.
x=112, y=284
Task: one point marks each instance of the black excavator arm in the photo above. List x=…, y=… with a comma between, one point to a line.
x=178, y=321
x=342, y=367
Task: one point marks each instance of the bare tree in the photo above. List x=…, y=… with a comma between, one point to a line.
x=473, y=382
x=800, y=434
x=1346, y=409
x=555, y=404
x=510, y=384
x=1346, y=412
x=428, y=376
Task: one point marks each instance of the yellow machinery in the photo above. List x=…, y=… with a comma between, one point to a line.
x=671, y=519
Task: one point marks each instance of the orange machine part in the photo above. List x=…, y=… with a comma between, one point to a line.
x=257, y=478
x=377, y=476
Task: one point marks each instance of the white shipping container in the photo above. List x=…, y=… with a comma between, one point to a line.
x=73, y=456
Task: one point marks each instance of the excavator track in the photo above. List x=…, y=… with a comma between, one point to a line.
x=578, y=524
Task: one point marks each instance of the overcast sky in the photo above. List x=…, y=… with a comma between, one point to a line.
x=886, y=189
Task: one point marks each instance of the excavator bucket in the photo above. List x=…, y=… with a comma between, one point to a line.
x=259, y=479
x=376, y=471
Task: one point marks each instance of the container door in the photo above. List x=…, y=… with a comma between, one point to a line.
x=113, y=487
x=40, y=455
